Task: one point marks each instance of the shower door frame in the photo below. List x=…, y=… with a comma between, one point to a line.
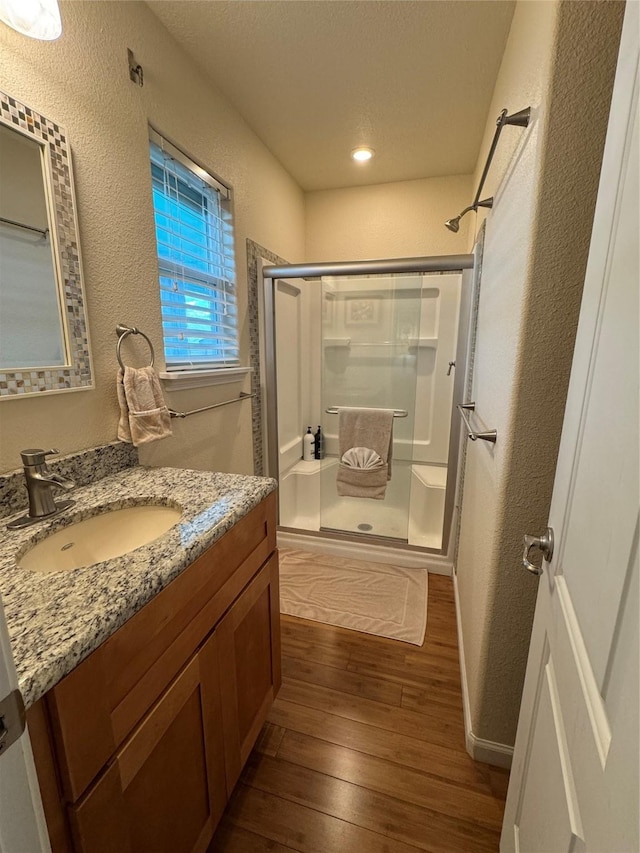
x=271, y=274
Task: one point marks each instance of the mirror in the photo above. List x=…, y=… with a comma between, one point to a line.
x=44, y=344
x=31, y=333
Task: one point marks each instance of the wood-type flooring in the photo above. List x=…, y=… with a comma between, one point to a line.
x=364, y=750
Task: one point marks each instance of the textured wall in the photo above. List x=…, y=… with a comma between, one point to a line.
x=82, y=81
x=397, y=220
x=560, y=58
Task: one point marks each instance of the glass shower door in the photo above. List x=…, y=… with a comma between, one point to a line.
x=370, y=338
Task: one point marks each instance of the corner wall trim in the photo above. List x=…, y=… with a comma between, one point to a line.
x=498, y=754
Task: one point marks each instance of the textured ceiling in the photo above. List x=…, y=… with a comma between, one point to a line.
x=317, y=78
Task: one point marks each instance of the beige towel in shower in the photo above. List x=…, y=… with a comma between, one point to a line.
x=360, y=475
x=144, y=416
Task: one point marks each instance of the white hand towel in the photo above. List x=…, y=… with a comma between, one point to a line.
x=144, y=416
x=362, y=457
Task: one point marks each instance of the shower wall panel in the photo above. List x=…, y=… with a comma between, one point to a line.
x=368, y=325
x=297, y=306
x=440, y=309
x=371, y=327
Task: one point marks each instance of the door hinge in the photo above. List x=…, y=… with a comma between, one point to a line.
x=12, y=719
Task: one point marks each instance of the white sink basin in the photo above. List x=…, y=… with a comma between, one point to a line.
x=101, y=537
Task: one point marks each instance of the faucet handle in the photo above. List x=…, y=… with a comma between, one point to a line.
x=36, y=456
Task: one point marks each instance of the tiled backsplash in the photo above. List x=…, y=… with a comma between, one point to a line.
x=83, y=468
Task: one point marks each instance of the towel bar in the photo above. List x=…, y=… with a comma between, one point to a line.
x=124, y=331
x=242, y=396
x=397, y=413
x=489, y=435
x=43, y=231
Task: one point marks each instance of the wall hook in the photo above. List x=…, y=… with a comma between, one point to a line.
x=136, y=73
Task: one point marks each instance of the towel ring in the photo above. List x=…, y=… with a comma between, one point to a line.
x=123, y=332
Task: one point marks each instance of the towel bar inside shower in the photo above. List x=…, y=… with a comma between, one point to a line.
x=397, y=413
x=487, y=435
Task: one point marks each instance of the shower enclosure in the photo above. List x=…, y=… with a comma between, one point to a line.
x=380, y=338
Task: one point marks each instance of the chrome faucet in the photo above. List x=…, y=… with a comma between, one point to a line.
x=40, y=482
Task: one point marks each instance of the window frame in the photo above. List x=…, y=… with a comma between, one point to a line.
x=185, y=375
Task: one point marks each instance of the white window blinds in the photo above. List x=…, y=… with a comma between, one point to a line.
x=194, y=234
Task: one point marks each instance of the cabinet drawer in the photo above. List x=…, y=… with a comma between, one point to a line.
x=97, y=705
x=165, y=790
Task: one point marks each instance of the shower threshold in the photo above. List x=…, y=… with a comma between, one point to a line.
x=390, y=540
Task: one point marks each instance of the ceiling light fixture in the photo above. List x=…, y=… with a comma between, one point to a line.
x=38, y=19
x=362, y=154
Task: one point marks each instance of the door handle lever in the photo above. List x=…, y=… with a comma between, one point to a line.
x=543, y=543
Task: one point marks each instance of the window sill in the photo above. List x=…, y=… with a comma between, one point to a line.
x=177, y=380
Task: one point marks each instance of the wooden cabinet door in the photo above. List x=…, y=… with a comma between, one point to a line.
x=249, y=647
x=165, y=790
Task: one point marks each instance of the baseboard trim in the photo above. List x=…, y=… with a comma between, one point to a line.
x=365, y=551
x=488, y=751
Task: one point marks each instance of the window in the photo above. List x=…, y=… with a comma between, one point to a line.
x=196, y=266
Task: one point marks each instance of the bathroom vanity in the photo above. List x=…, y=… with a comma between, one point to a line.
x=139, y=745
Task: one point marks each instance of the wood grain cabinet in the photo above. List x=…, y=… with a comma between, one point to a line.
x=165, y=789
x=251, y=654
x=139, y=748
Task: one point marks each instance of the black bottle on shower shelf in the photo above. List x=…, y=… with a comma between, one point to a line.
x=319, y=444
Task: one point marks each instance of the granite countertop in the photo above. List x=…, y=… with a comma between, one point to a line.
x=56, y=619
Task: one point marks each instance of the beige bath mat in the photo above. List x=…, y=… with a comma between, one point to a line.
x=372, y=597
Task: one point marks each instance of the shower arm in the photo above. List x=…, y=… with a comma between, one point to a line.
x=520, y=119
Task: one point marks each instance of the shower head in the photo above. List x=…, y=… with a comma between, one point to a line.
x=520, y=119
x=454, y=224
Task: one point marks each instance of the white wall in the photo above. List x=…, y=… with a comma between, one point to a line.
x=560, y=59
x=82, y=82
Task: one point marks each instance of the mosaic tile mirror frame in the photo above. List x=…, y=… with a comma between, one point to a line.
x=75, y=373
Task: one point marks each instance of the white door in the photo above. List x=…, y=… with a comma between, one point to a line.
x=22, y=824
x=574, y=782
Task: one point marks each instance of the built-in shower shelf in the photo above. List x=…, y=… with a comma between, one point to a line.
x=420, y=343
x=408, y=343
x=336, y=342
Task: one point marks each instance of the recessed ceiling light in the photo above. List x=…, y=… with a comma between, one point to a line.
x=362, y=154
